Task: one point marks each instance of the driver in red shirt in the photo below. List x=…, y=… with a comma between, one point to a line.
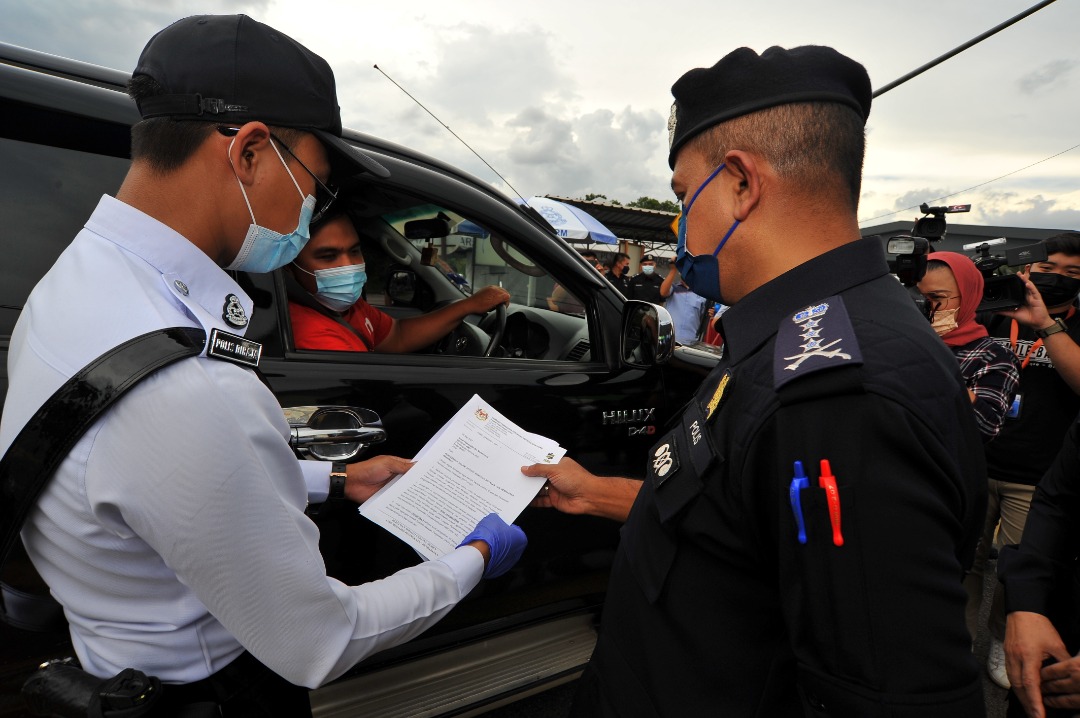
x=331, y=270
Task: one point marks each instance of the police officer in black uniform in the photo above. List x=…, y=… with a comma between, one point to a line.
x=799, y=542
x=616, y=274
x=645, y=285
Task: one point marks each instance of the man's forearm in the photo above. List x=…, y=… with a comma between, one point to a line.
x=1065, y=354
x=611, y=497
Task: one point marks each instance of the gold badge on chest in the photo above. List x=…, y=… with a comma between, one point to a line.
x=718, y=395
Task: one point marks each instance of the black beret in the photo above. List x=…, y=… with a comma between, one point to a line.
x=744, y=82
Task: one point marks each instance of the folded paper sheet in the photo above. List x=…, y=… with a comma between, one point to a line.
x=469, y=469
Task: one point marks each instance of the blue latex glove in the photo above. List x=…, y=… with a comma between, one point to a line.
x=507, y=543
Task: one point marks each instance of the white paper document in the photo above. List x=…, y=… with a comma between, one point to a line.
x=469, y=469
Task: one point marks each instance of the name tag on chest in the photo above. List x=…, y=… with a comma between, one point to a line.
x=235, y=349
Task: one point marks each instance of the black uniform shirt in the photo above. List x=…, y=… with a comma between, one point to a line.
x=621, y=282
x=716, y=608
x=1042, y=574
x=646, y=287
x=1027, y=443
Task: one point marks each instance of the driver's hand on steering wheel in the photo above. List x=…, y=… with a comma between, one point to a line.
x=486, y=299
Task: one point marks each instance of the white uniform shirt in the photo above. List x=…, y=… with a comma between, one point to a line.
x=174, y=532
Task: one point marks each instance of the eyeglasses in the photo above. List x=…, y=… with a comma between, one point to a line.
x=936, y=301
x=325, y=196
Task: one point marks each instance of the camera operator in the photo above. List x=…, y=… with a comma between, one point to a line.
x=1045, y=336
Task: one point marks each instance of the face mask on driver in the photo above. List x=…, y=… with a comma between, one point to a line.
x=338, y=288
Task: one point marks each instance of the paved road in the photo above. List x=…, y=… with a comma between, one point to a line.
x=556, y=702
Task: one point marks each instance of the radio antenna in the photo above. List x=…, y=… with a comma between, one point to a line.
x=453, y=133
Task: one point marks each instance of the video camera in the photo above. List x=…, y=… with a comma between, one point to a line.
x=1003, y=291
x=912, y=251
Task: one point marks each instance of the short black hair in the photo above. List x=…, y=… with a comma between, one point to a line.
x=816, y=146
x=165, y=143
x=1063, y=243
x=589, y=254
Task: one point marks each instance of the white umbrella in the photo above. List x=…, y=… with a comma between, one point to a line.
x=569, y=222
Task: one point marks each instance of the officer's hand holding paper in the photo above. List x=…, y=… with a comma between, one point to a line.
x=469, y=469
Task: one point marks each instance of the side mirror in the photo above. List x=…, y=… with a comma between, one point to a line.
x=648, y=335
x=401, y=289
x=333, y=433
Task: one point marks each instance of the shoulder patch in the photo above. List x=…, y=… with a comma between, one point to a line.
x=665, y=461
x=815, y=338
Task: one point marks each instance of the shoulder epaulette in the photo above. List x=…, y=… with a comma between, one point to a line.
x=814, y=339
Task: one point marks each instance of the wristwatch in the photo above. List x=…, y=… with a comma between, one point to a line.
x=337, y=480
x=1057, y=326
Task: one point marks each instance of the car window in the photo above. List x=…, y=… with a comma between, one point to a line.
x=421, y=256
x=70, y=183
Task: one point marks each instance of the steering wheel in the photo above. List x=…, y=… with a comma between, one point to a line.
x=500, y=327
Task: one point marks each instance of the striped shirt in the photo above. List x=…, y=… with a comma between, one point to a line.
x=992, y=372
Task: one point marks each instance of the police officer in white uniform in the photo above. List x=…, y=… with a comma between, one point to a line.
x=174, y=533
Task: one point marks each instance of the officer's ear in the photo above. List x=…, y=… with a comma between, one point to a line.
x=744, y=172
x=247, y=148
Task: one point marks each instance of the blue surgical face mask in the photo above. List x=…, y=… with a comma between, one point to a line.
x=648, y=269
x=701, y=273
x=338, y=288
x=264, y=250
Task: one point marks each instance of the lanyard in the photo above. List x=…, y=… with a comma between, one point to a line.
x=1014, y=332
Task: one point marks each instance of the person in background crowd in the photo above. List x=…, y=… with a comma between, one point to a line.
x=712, y=324
x=1044, y=334
x=616, y=273
x=953, y=288
x=798, y=543
x=565, y=302
x=688, y=310
x=645, y=285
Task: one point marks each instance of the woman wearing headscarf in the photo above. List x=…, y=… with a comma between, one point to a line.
x=953, y=288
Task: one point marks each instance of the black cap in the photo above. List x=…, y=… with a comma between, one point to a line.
x=648, y=258
x=232, y=69
x=744, y=82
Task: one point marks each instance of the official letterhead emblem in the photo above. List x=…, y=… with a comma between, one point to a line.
x=481, y=414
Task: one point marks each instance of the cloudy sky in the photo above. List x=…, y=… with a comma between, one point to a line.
x=571, y=97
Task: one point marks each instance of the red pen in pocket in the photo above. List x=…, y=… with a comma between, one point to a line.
x=832, y=494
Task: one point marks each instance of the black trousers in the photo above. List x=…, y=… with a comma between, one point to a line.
x=243, y=689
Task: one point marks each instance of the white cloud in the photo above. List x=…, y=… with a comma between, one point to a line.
x=537, y=91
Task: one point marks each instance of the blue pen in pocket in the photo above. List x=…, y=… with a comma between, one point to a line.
x=798, y=483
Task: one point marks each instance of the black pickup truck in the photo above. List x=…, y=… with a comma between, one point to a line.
x=64, y=141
